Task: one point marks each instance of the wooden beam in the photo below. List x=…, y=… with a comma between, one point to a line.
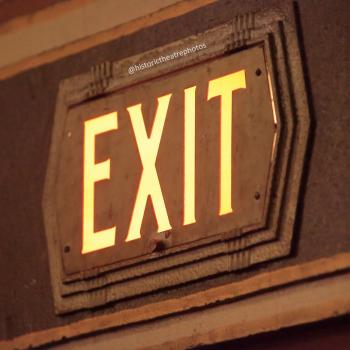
x=39, y=53
x=200, y=300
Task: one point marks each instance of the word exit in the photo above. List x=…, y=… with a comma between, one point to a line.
x=148, y=145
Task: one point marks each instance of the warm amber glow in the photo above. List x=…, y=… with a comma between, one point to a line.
x=149, y=183
x=94, y=172
x=189, y=168
x=274, y=116
x=223, y=87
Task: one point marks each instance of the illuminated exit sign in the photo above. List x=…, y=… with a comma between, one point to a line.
x=170, y=161
x=148, y=143
x=184, y=170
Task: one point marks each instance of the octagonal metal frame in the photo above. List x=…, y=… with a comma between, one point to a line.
x=275, y=31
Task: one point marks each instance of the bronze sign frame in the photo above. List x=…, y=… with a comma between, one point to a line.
x=233, y=251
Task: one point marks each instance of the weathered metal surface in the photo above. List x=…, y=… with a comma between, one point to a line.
x=253, y=135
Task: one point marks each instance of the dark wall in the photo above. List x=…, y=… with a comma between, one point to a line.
x=334, y=334
x=27, y=104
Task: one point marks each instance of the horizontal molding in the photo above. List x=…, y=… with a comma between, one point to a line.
x=201, y=300
x=16, y=14
x=278, y=309
x=63, y=30
x=295, y=305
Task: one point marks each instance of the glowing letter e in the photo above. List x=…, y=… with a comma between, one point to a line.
x=223, y=87
x=94, y=172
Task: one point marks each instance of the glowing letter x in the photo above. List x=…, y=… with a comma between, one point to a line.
x=149, y=183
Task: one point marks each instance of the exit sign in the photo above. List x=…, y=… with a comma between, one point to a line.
x=167, y=162
x=180, y=171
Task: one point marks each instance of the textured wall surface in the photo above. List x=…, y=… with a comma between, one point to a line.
x=27, y=104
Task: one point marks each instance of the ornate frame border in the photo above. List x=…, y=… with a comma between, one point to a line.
x=233, y=251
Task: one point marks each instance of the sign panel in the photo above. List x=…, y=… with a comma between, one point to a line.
x=167, y=162
x=180, y=171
